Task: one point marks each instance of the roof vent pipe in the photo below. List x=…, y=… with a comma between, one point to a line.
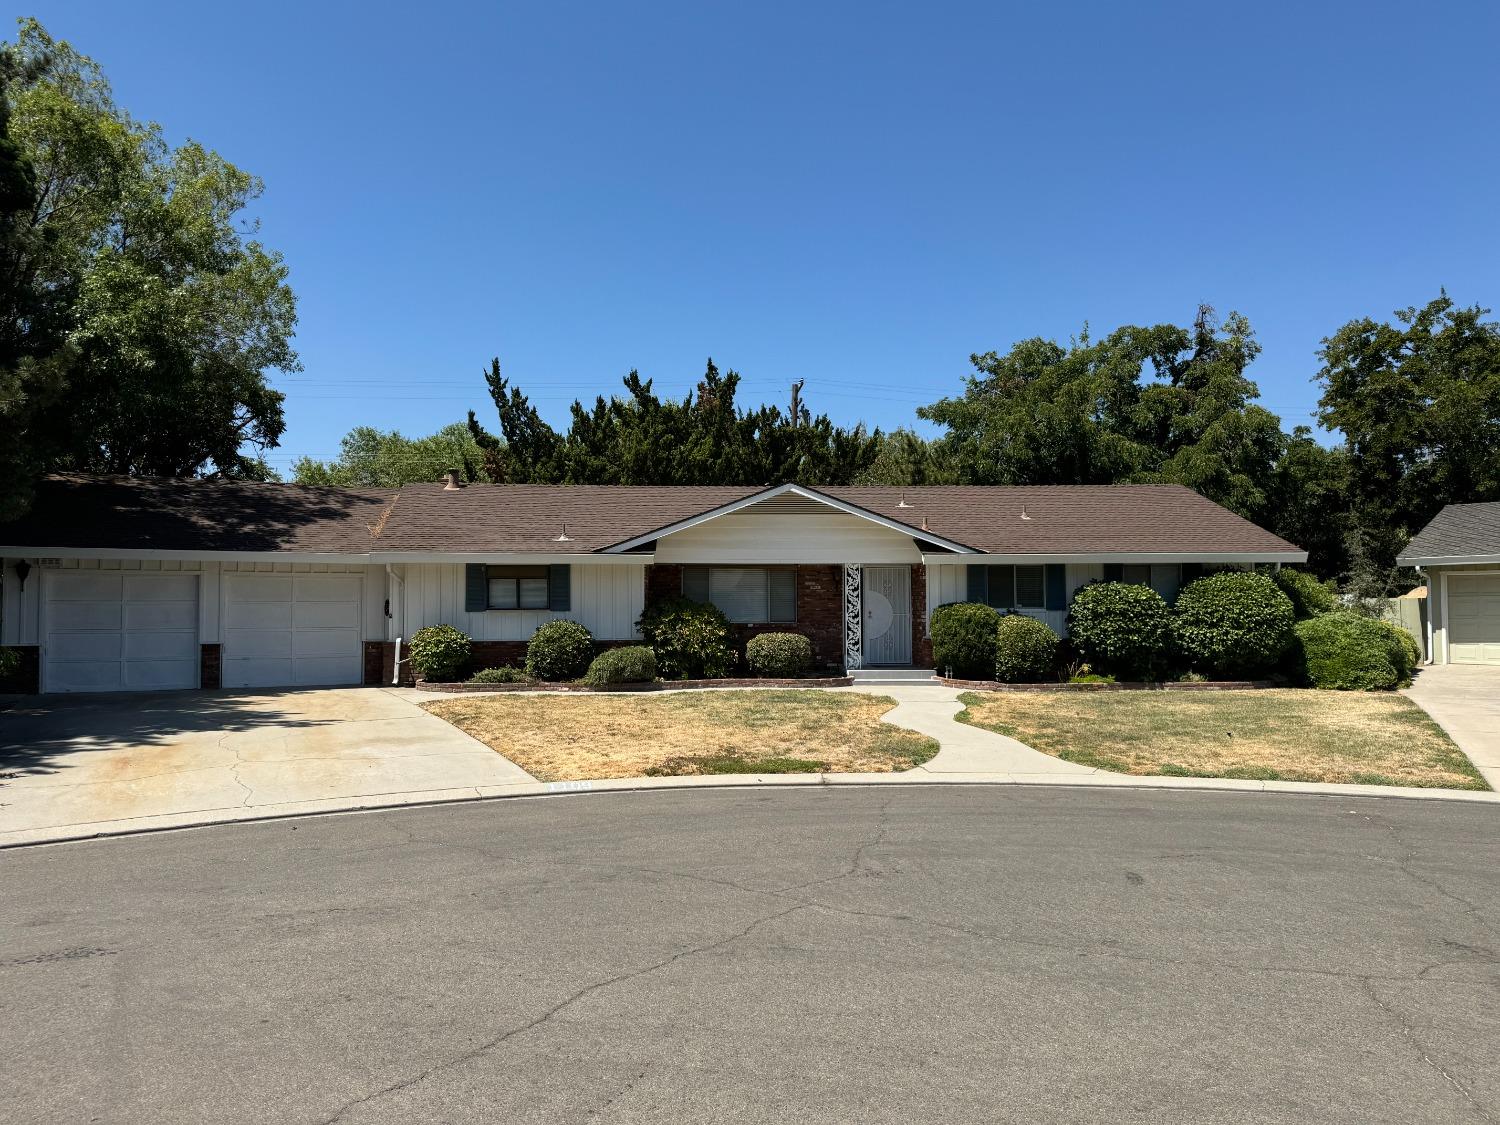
x=451, y=483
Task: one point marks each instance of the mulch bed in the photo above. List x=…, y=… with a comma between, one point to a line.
x=1172, y=685
x=659, y=685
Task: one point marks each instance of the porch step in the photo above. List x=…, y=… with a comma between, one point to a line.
x=893, y=675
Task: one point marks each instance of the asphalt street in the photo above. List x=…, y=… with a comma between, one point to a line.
x=957, y=954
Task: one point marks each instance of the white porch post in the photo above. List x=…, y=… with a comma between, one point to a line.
x=854, y=610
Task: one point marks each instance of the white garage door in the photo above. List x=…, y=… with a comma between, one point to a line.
x=118, y=631
x=291, y=630
x=1474, y=619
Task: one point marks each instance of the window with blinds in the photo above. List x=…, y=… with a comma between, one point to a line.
x=518, y=587
x=748, y=595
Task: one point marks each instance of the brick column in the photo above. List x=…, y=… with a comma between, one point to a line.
x=921, y=643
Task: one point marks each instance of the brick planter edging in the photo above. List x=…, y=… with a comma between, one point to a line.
x=658, y=685
x=1205, y=685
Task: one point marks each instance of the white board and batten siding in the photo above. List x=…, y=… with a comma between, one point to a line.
x=788, y=537
x=607, y=600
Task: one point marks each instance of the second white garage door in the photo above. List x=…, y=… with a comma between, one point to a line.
x=291, y=630
x=1474, y=619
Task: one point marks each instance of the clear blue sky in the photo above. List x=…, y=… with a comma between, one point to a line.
x=857, y=194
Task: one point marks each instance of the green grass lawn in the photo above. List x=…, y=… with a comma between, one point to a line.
x=1373, y=738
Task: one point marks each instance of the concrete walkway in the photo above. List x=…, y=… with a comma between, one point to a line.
x=1465, y=701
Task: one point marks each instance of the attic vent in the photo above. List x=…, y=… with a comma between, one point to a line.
x=903, y=503
x=451, y=482
x=49, y=562
x=563, y=536
x=1024, y=516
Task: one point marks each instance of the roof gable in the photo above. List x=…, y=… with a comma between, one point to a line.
x=1459, y=531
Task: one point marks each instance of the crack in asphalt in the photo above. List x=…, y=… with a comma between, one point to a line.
x=556, y=1009
x=1409, y=1032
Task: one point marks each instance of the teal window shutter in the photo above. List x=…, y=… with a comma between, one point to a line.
x=560, y=588
x=979, y=584
x=1114, y=572
x=1057, y=586
x=476, y=588
x=1003, y=586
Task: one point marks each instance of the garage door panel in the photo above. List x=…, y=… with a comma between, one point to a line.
x=310, y=635
x=82, y=616
x=1474, y=619
x=119, y=632
x=84, y=646
x=158, y=675
x=325, y=615
x=325, y=642
x=180, y=616
x=85, y=585
x=161, y=588
x=177, y=646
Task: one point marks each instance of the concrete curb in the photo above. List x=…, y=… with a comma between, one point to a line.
x=918, y=777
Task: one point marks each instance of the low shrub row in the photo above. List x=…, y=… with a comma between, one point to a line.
x=684, y=640
x=1229, y=625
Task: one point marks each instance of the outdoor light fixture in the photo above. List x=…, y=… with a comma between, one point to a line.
x=23, y=568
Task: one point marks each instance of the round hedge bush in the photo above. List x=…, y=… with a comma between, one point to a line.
x=1025, y=649
x=1309, y=596
x=559, y=651
x=963, y=639
x=1407, y=654
x=1346, y=652
x=690, y=639
x=1236, y=623
x=439, y=653
x=778, y=654
x=1121, y=628
x=634, y=664
x=505, y=674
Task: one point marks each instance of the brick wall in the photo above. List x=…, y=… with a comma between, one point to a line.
x=820, y=609
x=379, y=659
x=28, y=677
x=210, y=667
x=921, y=643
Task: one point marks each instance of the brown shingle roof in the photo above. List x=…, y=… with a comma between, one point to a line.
x=236, y=516
x=140, y=514
x=1458, y=531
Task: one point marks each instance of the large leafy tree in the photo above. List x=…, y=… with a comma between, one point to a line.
x=640, y=438
x=166, y=309
x=372, y=458
x=1417, y=402
x=1149, y=404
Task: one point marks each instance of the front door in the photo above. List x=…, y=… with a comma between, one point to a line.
x=887, y=615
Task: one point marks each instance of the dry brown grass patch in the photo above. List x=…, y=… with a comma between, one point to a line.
x=578, y=737
x=1363, y=738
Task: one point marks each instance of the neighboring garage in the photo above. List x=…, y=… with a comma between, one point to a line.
x=1459, y=553
x=119, y=631
x=292, y=630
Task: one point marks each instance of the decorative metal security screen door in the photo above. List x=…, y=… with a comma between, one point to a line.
x=887, y=624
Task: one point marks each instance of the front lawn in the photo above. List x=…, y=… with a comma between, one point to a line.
x=577, y=737
x=1358, y=737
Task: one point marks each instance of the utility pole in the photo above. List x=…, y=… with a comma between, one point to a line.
x=797, y=401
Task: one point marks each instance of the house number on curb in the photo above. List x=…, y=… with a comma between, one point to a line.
x=569, y=786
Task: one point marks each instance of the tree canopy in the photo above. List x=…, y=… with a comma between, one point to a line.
x=640, y=438
x=140, y=316
x=371, y=458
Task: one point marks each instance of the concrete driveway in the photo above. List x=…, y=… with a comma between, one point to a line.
x=75, y=765
x=1465, y=701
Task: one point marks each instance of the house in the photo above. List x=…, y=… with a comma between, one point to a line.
x=123, y=584
x=1458, y=554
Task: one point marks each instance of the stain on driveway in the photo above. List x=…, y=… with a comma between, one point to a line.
x=82, y=761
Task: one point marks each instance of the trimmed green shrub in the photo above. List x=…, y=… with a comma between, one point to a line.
x=1309, y=596
x=964, y=638
x=439, y=653
x=1236, y=623
x=634, y=664
x=558, y=651
x=1346, y=652
x=1121, y=628
x=779, y=654
x=505, y=674
x=690, y=639
x=1408, y=654
x=1025, y=649
x=10, y=663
